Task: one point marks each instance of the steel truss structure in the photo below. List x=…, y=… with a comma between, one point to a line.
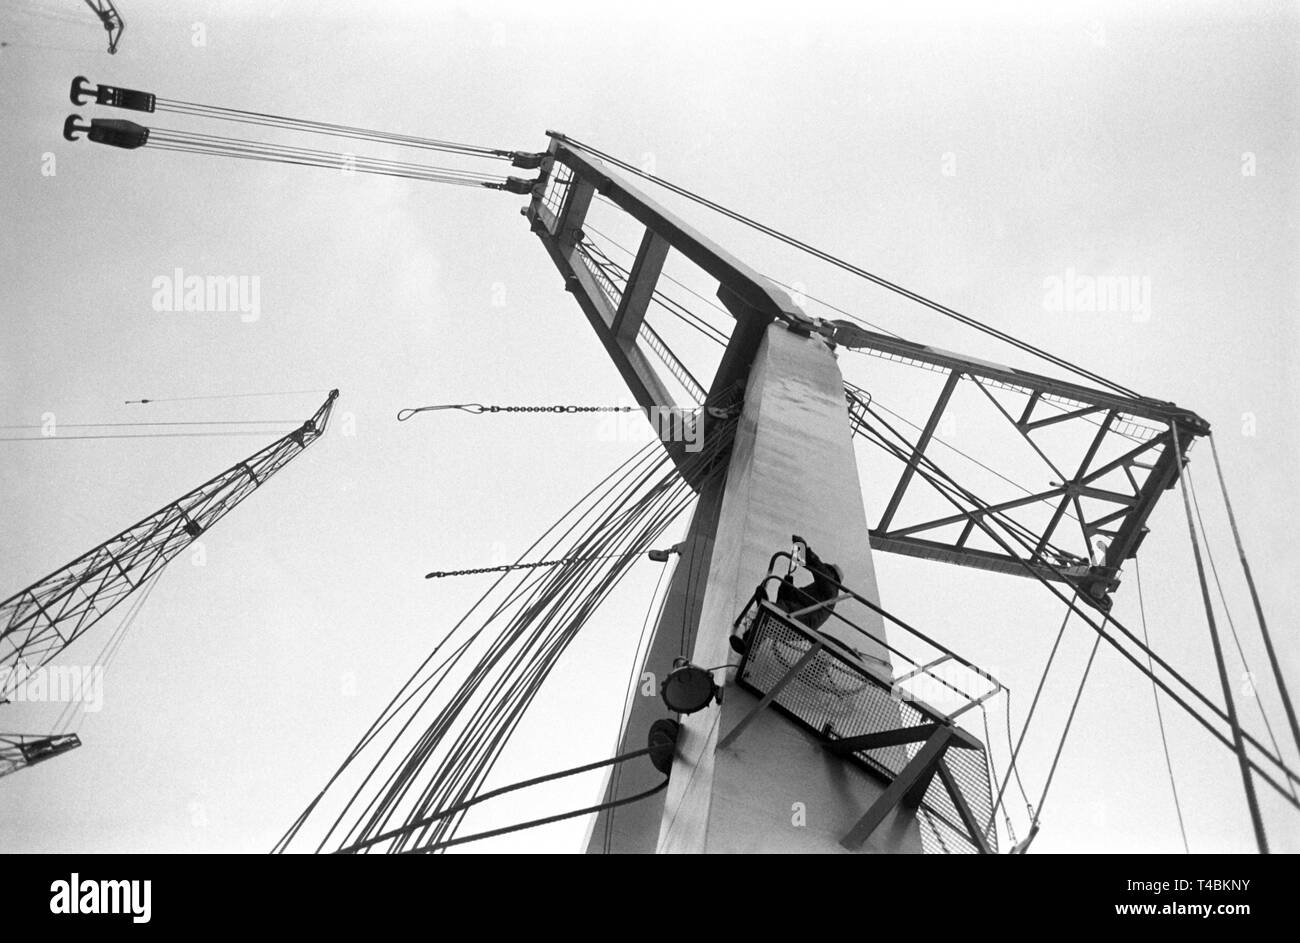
x=1126, y=487
x=20, y=750
x=1121, y=492
x=38, y=622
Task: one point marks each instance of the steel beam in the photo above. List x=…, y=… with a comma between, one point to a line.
x=1161, y=413
x=640, y=288
x=948, y=387
x=906, y=790
x=792, y=470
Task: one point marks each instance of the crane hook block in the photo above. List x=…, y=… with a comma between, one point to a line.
x=111, y=95
x=111, y=131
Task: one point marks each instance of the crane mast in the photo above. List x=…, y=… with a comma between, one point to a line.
x=794, y=460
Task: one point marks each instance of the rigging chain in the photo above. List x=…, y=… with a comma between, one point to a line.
x=478, y=409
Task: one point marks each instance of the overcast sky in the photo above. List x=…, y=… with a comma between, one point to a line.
x=972, y=152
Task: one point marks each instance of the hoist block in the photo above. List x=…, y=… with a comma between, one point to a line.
x=111, y=95
x=112, y=131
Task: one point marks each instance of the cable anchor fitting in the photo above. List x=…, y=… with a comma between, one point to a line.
x=526, y=161
x=517, y=185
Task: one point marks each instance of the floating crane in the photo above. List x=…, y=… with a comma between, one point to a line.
x=40, y=621
x=832, y=715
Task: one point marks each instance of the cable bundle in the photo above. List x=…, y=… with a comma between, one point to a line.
x=886, y=437
x=130, y=135
x=434, y=746
x=212, y=145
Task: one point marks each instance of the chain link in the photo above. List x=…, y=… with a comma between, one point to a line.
x=477, y=409
x=559, y=409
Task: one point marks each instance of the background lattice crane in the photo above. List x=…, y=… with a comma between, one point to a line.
x=46, y=617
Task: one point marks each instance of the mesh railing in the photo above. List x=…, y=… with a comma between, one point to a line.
x=675, y=367
x=839, y=694
x=557, y=188
x=612, y=290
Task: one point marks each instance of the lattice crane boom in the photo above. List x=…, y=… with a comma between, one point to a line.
x=20, y=750
x=41, y=620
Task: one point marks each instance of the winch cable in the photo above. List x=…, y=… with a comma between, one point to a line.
x=947, y=488
x=479, y=749
x=556, y=534
x=1254, y=596
x=494, y=732
x=1160, y=716
x=480, y=743
x=212, y=145
x=599, y=807
x=954, y=494
x=130, y=135
x=851, y=268
x=669, y=304
x=713, y=333
x=638, y=661
x=588, y=228
x=902, y=454
x=679, y=311
x=142, y=101
x=491, y=794
x=952, y=448
x=140, y=435
x=63, y=724
x=198, y=427
x=191, y=422
x=1150, y=654
x=263, y=119
x=606, y=528
x=190, y=399
x=682, y=312
x=1232, y=625
x=719, y=337
x=1238, y=739
x=1069, y=722
x=994, y=777
x=506, y=567
x=1012, y=765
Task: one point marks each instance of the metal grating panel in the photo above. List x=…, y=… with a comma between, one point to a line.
x=675, y=366
x=557, y=188
x=838, y=694
x=612, y=291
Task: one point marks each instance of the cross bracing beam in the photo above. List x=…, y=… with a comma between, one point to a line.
x=615, y=303
x=1144, y=470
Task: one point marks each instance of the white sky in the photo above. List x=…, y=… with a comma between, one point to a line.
x=1103, y=138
